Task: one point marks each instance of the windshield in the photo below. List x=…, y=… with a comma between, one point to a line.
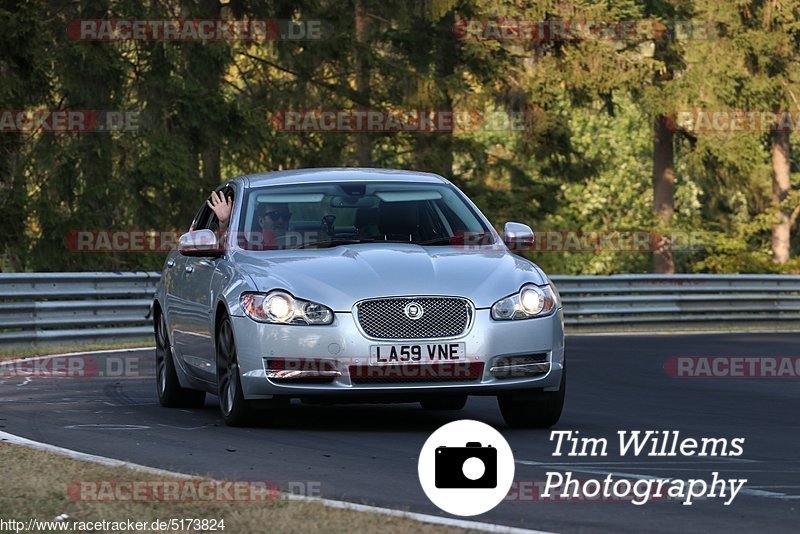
x=332, y=214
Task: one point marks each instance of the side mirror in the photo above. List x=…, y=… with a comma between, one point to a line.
x=200, y=243
x=517, y=236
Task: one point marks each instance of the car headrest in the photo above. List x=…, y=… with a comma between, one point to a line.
x=398, y=218
x=365, y=217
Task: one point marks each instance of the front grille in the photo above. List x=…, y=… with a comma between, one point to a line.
x=441, y=317
x=416, y=373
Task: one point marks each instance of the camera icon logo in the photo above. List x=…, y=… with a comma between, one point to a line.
x=472, y=466
x=466, y=468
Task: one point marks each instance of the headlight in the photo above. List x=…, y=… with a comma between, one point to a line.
x=530, y=301
x=282, y=308
x=278, y=307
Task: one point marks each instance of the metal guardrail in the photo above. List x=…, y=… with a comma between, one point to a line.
x=633, y=302
x=66, y=308
x=62, y=308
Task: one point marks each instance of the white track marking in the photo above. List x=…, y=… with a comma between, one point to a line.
x=81, y=353
x=679, y=333
x=183, y=427
x=344, y=505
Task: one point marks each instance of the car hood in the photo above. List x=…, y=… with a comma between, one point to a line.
x=339, y=277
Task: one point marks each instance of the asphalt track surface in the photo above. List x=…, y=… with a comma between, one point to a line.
x=368, y=453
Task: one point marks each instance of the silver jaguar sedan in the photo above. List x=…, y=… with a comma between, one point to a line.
x=356, y=285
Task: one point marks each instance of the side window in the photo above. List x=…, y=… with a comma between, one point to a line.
x=206, y=218
x=203, y=218
x=197, y=218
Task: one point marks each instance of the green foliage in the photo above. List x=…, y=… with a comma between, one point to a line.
x=613, y=194
x=582, y=162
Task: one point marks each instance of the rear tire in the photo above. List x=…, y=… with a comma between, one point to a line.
x=170, y=392
x=448, y=402
x=541, y=410
x=236, y=411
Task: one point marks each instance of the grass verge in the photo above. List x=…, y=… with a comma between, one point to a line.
x=8, y=353
x=35, y=485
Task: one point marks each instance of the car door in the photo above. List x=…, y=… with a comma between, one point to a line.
x=177, y=305
x=193, y=309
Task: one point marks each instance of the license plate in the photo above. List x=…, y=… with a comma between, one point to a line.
x=423, y=353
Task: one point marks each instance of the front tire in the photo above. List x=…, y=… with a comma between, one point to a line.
x=541, y=410
x=170, y=392
x=236, y=411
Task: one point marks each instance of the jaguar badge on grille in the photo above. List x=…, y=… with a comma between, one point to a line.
x=414, y=310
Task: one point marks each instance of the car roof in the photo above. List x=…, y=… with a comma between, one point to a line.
x=340, y=174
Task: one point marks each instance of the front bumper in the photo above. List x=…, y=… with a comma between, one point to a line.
x=342, y=351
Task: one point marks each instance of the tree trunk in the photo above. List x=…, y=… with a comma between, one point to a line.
x=663, y=192
x=446, y=59
x=433, y=151
x=13, y=203
x=211, y=80
x=363, y=139
x=781, y=183
x=212, y=174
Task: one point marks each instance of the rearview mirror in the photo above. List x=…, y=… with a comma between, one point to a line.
x=200, y=243
x=354, y=202
x=518, y=236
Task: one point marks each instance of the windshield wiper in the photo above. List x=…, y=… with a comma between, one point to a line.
x=437, y=241
x=455, y=241
x=327, y=243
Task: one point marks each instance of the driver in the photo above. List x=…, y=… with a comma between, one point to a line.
x=274, y=219
x=221, y=206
